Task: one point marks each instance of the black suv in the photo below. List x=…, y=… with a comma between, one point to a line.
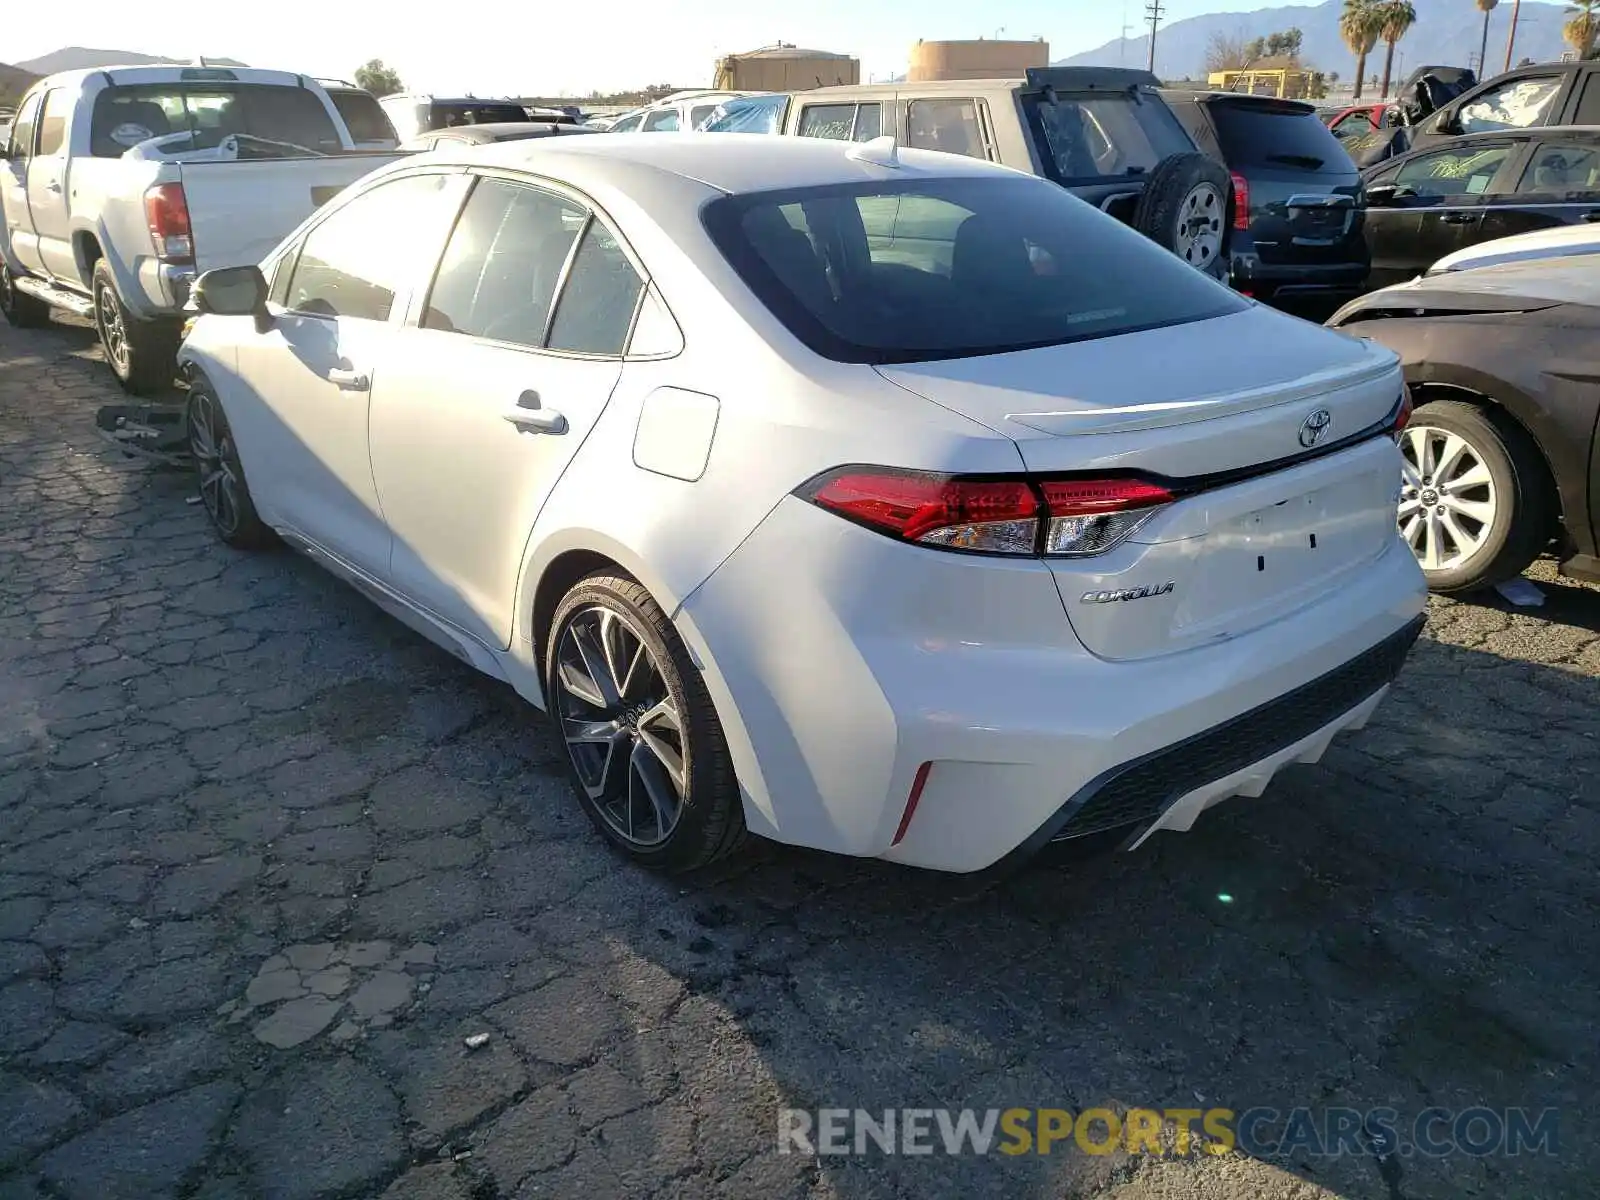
x=1298, y=205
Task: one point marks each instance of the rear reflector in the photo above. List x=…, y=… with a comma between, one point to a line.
x=917, y=784
x=1403, y=413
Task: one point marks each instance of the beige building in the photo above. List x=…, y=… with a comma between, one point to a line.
x=785, y=68
x=982, y=59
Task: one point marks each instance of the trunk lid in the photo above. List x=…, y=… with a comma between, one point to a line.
x=1262, y=524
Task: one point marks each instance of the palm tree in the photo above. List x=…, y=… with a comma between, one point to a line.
x=1358, y=26
x=1584, y=26
x=1395, y=19
x=1485, y=7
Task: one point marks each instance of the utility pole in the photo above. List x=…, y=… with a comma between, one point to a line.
x=1155, y=12
x=1511, y=42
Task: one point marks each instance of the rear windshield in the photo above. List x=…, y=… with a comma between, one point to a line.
x=269, y=120
x=1257, y=134
x=1085, y=139
x=447, y=114
x=952, y=268
x=363, y=116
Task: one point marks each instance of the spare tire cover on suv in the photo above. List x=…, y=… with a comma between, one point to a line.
x=1185, y=207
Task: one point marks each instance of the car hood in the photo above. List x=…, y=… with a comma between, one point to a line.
x=1540, y=243
x=1524, y=286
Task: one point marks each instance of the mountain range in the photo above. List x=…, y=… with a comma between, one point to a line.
x=82, y=58
x=1447, y=32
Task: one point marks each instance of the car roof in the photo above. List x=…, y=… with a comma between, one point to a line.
x=1200, y=95
x=932, y=87
x=1565, y=280
x=730, y=162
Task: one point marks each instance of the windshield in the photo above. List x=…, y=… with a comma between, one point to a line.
x=952, y=268
x=1086, y=139
x=756, y=114
x=272, y=120
x=448, y=114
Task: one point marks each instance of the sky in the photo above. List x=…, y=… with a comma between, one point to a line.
x=564, y=48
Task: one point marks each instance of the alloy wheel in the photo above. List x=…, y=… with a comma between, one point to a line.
x=1448, y=502
x=215, y=459
x=622, y=727
x=1200, y=218
x=8, y=291
x=113, y=328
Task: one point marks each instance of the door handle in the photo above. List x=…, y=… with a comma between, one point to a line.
x=1458, y=218
x=1592, y=217
x=53, y=186
x=530, y=416
x=349, y=381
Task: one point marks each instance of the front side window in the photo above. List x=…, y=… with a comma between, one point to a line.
x=354, y=263
x=599, y=298
x=1559, y=168
x=662, y=120
x=1453, y=172
x=628, y=124
x=952, y=268
x=23, y=127
x=263, y=120
x=949, y=126
x=53, y=122
x=1093, y=138
x=1519, y=105
x=505, y=260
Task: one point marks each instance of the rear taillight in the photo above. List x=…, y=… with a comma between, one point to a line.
x=1013, y=516
x=1402, y=416
x=166, y=211
x=1241, y=201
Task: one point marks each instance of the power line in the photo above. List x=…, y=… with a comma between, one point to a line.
x=1154, y=11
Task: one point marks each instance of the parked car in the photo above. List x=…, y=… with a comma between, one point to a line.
x=1298, y=208
x=1477, y=188
x=1104, y=133
x=1558, y=241
x=119, y=185
x=681, y=112
x=369, y=125
x=1555, y=93
x=412, y=114
x=482, y=135
x=996, y=546
x=1502, y=361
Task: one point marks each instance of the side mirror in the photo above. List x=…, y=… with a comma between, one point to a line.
x=1382, y=195
x=234, y=292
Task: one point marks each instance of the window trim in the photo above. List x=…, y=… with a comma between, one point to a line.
x=412, y=320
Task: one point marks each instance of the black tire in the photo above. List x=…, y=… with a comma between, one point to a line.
x=218, y=472
x=143, y=355
x=1522, y=493
x=1165, y=215
x=20, y=309
x=709, y=822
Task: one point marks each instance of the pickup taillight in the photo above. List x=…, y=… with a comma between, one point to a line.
x=166, y=211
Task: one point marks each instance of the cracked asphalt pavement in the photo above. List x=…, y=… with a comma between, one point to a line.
x=268, y=861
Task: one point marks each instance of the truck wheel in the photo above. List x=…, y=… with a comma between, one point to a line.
x=143, y=355
x=21, y=310
x=1184, y=208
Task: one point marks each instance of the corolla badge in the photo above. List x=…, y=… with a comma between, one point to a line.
x=1133, y=593
x=1315, y=427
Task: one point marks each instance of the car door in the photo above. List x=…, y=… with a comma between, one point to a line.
x=1559, y=185
x=14, y=178
x=504, y=368
x=47, y=189
x=337, y=300
x=1437, y=206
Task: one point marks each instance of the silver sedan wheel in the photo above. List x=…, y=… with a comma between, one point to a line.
x=1448, y=502
x=215, y=461
x=1200, y=218
x=622, y=727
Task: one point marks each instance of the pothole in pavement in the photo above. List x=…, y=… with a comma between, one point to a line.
x=299, y=993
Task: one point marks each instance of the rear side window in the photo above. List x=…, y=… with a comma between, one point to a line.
x=949, y=126
x=363, y=116
x=599, y=298
x=1589, y=102
x=952, y=268
x=842, y=122
x=1088, y=139
x=1254, y=133
x=1561, y=167
x=265, y=120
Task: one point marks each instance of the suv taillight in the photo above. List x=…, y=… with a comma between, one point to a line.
x=1012, y=516
x=166, y=211
x=1241, y=201
x=1402, y=416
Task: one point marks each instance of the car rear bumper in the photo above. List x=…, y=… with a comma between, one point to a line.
x=1264, y=279
x=842, y=664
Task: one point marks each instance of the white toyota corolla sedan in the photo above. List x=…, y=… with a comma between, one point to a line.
x=890, y=503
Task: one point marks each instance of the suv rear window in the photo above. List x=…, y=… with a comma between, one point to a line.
x=952, y=268
x=270, y=120
x=363, y=116
x=444, y=114
x=1085, y=139
x=1255, y=133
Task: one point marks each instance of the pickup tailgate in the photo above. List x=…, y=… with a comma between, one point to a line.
x=238, y=211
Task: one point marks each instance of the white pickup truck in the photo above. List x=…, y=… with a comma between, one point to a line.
x=120, y=186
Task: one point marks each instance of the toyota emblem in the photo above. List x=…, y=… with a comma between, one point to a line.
x=1315, y=427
